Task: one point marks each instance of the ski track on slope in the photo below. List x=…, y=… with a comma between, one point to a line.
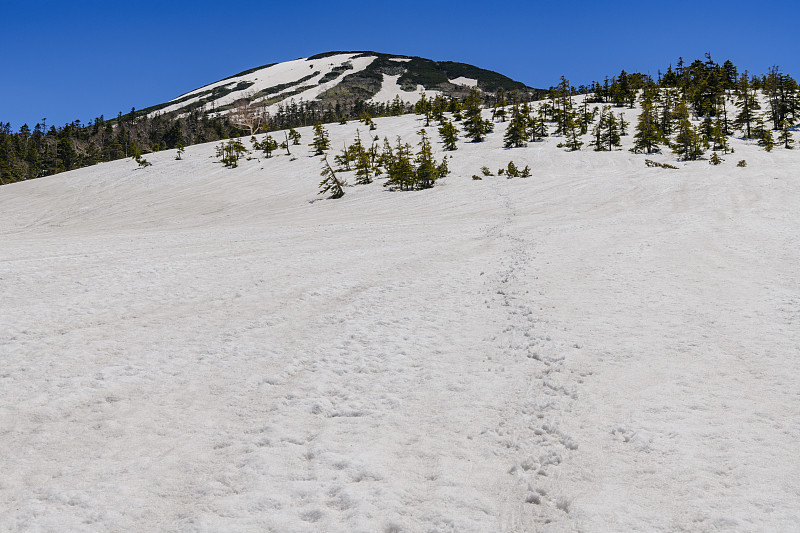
x=600, y=347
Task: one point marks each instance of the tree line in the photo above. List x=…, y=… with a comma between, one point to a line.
x=698, y=90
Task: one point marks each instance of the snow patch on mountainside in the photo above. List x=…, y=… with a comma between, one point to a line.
x=461, y=80
x=390, y=89
x=286, y=73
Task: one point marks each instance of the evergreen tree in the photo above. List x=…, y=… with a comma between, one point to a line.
x=475, y=126
x=647, y=136
x=330, y=183
x=321, y=140
x=426, y=172
x=516, y=132
x=267, y=146
x=747, y=102
x=294, y=136
x=499, y=110
x=364, y=169
x=717, y=137
x=343, y=160
x=449, y=135
x=571, y=131
x=687, y=143
x=622, y=124
x=400, y=170
x=766, y=139
x=785, y=136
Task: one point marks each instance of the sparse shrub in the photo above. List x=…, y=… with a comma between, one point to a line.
x=142, y=161
x=476, y=177
x=486, y=171
x=512, y=171
x=230, y=152
x=715, y=159
x=651, y=163
x=741, y=163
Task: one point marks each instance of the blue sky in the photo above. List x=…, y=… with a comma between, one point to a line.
x=80, y=59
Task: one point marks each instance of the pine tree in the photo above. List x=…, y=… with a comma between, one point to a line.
x=747, y=102
x=717, y=137
x=475, y=126
x=572, y=132
x=499, y=110
x=622, y=124
x=321, y=141
x=687, y=142
x=766, y=139
x=294, y=136
x=785, y=136
x=330, y=183
x=449, y=135
x=426, y=172
x=400, y=170
x=516, y=132
x=647, y=136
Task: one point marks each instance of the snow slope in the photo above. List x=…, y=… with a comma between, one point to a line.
x=600, y=347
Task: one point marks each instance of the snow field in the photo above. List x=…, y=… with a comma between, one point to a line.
x=600, y=347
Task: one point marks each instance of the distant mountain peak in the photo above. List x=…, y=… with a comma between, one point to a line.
x=342, y=76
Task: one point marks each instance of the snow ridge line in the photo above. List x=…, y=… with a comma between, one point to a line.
x=528, y=432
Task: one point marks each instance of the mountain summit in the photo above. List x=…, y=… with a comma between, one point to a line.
x=343, y=77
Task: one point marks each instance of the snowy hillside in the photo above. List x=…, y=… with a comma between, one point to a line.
x=600, y=347
x=341, y=76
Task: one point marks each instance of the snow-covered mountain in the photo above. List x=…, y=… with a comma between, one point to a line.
x=604, y=346
x=343, y=77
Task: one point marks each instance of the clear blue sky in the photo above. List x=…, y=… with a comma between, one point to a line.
x=79, y=59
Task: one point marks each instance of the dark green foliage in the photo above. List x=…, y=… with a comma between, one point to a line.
x=449, y=135
x=426, y=172
x=294, y=137
x=742, y=163
x=400, y=169
x=715, y=159
x=421, y=173
x=330, y=183
x=606, y=133
x=747, y=102
x=475, y=126
x=687, y=145
x=144, y=163
x=782, y=97
x=267, y=146
x=517, y=130
x=785, y=136
x=512, y=171
x=230, y=152
x=651, y=163
x=499, y=109
x=321, y=141
x=366, y=118
x=717, y=137
x=647, y=136
x=765, y=139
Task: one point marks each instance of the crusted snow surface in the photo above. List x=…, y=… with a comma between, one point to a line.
x=600, y=347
